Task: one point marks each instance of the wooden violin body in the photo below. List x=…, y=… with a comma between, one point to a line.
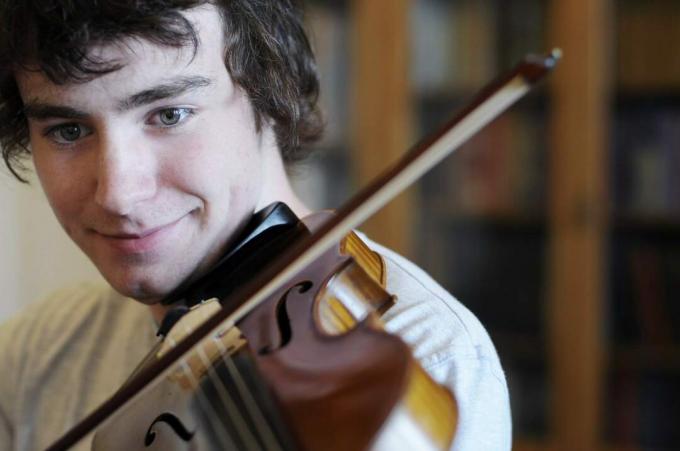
x=311, y=369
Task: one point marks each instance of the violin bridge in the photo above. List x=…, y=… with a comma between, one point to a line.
x=225, y=342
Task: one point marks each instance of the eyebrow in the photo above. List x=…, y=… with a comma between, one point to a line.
x=42, y=111
x=173, y=88
x=167, y=90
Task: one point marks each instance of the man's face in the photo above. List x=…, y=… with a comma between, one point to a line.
x=150, y=169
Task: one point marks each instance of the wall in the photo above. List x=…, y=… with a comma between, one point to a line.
x=36, y=256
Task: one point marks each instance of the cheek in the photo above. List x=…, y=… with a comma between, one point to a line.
x=62, y=182
x=191, y=165
x=217, y=163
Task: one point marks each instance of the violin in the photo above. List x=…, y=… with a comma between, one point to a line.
x=294, y=357
x=287, y=374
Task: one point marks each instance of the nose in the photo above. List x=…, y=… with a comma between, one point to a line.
x=126, y=175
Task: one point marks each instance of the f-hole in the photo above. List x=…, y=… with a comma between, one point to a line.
x=174, y=423
x=283, y=319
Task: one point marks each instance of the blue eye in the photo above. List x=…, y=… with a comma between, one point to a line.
x=173, y=116
x=68, y=133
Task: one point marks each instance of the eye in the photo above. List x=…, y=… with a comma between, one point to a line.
x=68, y=133
x=169, y=117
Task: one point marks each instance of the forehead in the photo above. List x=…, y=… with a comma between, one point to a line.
x=141, y=63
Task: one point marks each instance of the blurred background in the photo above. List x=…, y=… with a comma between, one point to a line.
x=558, y=226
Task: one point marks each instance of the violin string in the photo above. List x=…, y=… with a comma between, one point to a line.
x=225, y=440
x=233, y=412
x=223, y=392
x=205, y=404
x=256, y=414
x=227, y=401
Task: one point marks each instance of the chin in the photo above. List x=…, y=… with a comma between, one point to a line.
x=145, y=290
x=147, y=282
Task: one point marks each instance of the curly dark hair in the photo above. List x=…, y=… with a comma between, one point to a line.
x=267, y=54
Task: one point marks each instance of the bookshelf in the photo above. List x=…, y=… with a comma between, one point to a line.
x=484, y=225
x=560, y=225
x=642, y=373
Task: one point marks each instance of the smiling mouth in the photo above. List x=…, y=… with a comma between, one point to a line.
x=136, y=235
x=139, y=242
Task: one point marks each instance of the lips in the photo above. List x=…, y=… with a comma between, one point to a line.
x=136, y=242
x=134, y=235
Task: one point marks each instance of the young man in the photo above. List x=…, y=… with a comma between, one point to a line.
x=157, y=129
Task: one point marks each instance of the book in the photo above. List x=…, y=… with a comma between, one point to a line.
x=641, y=408
x=646, y=162
x=648, y=293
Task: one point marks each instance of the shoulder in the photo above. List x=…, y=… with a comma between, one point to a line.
x=56, y=330
x=57, y=334
x=69, y=313
x=453, y=346
x=436, y=324
x=58, y=315
x=85, y=336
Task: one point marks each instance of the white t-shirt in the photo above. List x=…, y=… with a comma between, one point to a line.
x=61, y=358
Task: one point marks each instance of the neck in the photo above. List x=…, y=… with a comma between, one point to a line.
x=277, y=187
